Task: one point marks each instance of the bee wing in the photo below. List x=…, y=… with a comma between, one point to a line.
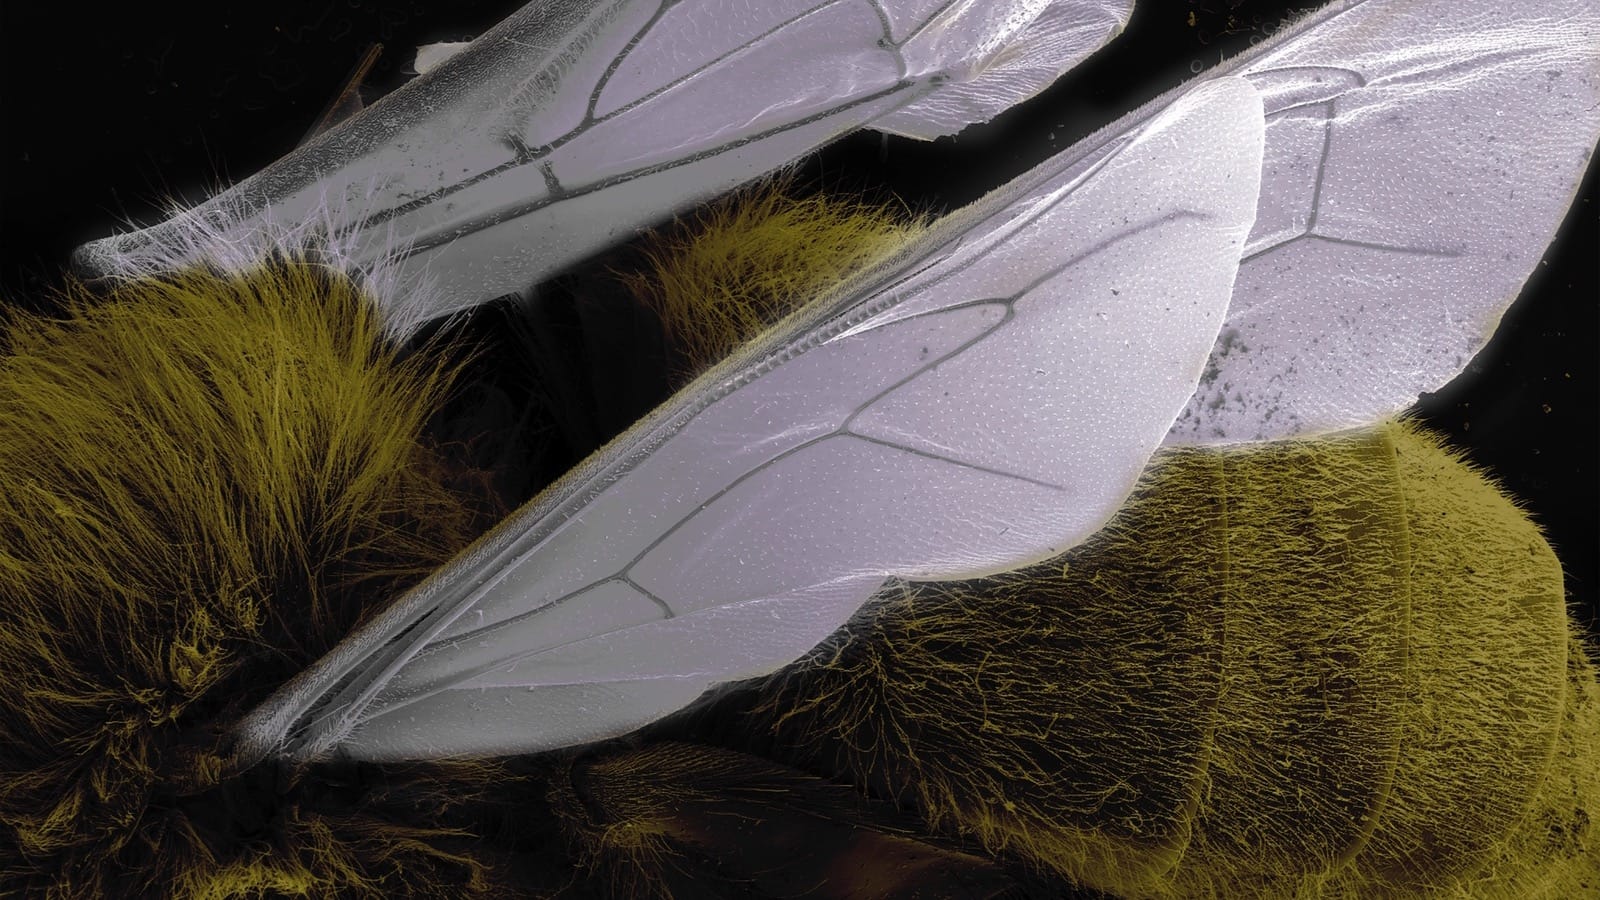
x=984, y=401
x=1032, y=58
x=1420, y=156
x=571, y=124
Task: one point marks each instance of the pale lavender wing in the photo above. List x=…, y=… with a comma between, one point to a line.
x=985, y=401
x=572, y=124
x=1420, y=157
x=1027, y=62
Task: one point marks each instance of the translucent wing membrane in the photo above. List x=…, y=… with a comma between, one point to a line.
x=1032, y=57
x=983, y=402
x=987, y=399
x=571, y=124
x=1419, y=158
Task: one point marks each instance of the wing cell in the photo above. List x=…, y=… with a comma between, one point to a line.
x=1034, y=55
x=690, y=38
x=1419, y=159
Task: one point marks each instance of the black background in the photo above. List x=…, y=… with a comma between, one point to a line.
x=105, y=112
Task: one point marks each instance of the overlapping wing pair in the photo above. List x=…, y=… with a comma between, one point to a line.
x=1309, y=237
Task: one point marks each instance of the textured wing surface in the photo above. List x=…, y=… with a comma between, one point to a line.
x=1033, y=57
x=983, y=403
x=1420, y=157
x=571, y=124
x=431, y=56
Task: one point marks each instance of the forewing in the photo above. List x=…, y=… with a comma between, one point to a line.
x=984, y=402
x=1419, y=158
x=1031, y=58
x=572, y=124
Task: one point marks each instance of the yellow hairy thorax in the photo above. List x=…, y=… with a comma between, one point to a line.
x=206, y=480
x=720, y=277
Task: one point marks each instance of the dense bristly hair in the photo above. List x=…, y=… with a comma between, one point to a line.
x=1321, y=668
x=206, y=479
x=236, y=237
x=720, y=276
x=683, y=820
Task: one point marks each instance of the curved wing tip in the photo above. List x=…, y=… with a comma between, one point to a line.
x=94, y=259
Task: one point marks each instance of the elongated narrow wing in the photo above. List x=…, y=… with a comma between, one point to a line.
x=571, y=124
x=1420, y=156
x=985, y=401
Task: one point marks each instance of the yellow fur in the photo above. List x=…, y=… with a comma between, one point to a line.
x=1485, y=686
x=1319, y=668
x=744, y=263
x=205, y=480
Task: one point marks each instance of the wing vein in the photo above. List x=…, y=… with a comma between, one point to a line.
x=927, y=454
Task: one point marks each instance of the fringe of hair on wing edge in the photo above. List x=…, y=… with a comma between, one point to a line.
x=228, y=235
